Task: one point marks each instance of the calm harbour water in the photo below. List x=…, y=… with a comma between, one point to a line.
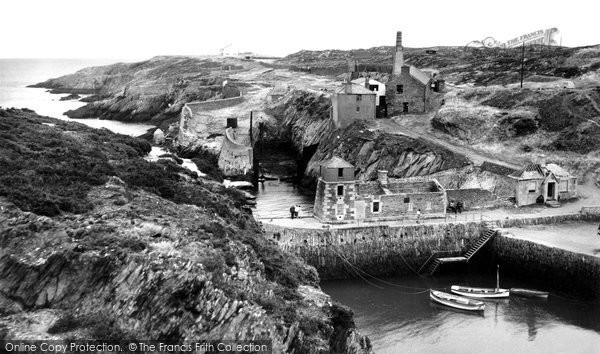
x=395, y=318
x=401, y=320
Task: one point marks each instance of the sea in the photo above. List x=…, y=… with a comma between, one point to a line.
x=395, y=312
x=17, y=74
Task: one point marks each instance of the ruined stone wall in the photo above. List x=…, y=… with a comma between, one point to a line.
x=235, y=158
x=558, y=269
x=472, y=198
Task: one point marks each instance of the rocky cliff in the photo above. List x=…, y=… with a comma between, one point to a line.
x=303, y=118
x=98, y=243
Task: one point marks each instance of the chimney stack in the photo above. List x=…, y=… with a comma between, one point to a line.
x=398, y=55
x=367, y=82
x=382, y=177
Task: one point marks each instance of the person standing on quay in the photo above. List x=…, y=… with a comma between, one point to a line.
x=298, y=209
x=292, y=211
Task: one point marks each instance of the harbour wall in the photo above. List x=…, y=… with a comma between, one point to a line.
x=343, y=252
x=558, y=269
x=377, y=250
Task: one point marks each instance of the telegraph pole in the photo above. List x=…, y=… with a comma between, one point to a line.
x=522, y=63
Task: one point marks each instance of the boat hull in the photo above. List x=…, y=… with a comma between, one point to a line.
x=457, y=302
x=481, y=293
x=529, y=293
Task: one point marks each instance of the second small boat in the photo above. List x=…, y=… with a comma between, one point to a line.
x=529, y=293
x=457, y=302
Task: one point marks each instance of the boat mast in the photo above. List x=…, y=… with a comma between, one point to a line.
x=497, y=276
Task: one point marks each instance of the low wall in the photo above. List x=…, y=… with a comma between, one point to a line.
x=591, y=210
x=559, y=269
x=214, y=104
x=381, y=250
x=473, y=198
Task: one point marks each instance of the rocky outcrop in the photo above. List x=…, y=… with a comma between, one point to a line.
x=303, y=118
x=152, y=252
x=70, y=97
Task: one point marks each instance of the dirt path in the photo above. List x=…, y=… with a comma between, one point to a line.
x=394, y=126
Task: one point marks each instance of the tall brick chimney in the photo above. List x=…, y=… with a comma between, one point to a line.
x=367, y=82
x=398, y=55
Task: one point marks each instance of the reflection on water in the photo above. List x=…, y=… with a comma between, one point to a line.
x=274, y=199
x=403, y=320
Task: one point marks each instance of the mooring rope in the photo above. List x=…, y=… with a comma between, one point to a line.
x=358, y=271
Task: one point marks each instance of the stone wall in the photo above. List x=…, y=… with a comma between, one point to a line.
x=560, y=270
x=235, y=158
x=473, y=198
x=214, y=104
x=381, y=250
x=414, y=92
x=348, y=108
x=389, y=250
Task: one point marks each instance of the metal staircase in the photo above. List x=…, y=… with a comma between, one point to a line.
x=437, y=261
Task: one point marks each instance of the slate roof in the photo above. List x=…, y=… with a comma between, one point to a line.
x=336, y=162
x=354, y=89
x=558, y=171
x=419, y=75
x=532, y=171
x=361, y=81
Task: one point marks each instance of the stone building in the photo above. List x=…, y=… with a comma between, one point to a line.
x=350, y=103
x=379, y=89
x=543, y=184
x=340, y=198
x=409, y=89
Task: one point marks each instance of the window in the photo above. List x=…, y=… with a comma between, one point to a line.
x=399, y=88
x=358, y=97
x=375, y=207
x=340, y=191
x=531, y=187
x=406, y=199
x=428, y=206
x=410, y=206
x=357, y=109
x=564, y=185
x=340, y=172
x=373, y=87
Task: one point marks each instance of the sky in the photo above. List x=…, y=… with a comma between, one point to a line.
x=133, y=29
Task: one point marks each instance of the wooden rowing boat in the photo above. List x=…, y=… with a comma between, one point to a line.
x=489, y=293
x=492, y=293
x=528, y=293
x=454, y=301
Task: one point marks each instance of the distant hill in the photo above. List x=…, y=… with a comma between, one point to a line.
x=480, y=66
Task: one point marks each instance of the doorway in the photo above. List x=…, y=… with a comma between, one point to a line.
x=405, y=107
x=551, y=187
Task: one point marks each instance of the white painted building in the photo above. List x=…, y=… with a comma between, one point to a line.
x=373, y=85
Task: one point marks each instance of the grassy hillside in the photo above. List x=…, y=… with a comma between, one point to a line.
x=99, y=243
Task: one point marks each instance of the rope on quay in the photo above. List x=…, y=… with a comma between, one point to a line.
x=357, y=270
